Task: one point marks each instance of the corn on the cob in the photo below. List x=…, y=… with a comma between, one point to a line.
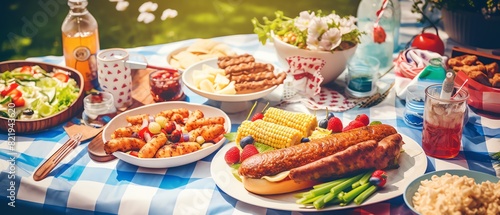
x=274, y=135
x=305, y=123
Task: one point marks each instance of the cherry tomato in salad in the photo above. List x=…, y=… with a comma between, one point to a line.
x=430, y=42
x=19, y=102
x=15, y=94
x=61, y=76
x=17, y=97
x=8, y=89
x=379, y=178
x=26, y=69
x=143, y=131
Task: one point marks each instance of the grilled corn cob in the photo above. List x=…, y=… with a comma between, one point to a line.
x=274, y=135
x=305, y=123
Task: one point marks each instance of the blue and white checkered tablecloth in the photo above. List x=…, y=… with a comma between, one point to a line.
x=81, y=186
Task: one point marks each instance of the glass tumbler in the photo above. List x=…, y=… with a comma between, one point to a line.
x=362, y=76
x=165, y=86
x=443, y=122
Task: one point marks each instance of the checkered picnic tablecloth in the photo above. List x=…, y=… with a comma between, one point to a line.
x=81, y=186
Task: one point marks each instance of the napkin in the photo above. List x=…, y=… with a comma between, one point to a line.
x=303, y=84
x=305, y=73
x=408, y=65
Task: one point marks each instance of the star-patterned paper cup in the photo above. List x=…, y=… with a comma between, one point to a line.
x=114, y=76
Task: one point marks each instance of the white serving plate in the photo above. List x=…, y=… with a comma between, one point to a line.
x=413, y=164
x=120, y=121
x=187, y=78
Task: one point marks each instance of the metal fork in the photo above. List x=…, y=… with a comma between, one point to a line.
x=375, y=98
x=57, y=157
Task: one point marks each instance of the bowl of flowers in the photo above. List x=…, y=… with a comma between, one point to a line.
x=329, y=37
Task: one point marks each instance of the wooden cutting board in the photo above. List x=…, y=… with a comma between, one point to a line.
x=96, y=150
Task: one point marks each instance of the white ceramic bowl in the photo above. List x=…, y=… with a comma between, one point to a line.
x=120, y=121
x=187, y=78
x=335, y=63
x=412, y=188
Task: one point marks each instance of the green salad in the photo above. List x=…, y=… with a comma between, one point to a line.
x=36, y=93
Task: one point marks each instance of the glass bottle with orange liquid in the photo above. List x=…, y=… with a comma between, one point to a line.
x=80, y=40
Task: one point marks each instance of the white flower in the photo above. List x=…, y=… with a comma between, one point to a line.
x=333, y=18
x=148, y=7
x=146, y=17
x=122, y=5
x=168, y=13
x=330, y=39
x=302, y=22
x=347, y=25
x=316, y=27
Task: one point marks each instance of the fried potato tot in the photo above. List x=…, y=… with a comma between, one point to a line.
x=172, y=150
x=123, y=144
x=204, y=121
x=208, y=132
x=150, y=148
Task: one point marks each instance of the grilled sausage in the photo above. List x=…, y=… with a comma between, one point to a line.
x=123, y=144
x=172, y=150
x=137, y=119
x=191, y=125
x=276, y=161
x=125, y=131
x=362, y=156
x=149, y=150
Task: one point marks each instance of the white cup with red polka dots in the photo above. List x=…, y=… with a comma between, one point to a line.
x=114, y=76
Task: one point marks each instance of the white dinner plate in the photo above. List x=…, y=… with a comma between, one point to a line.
x=187, y=79
x=413, y=164
x=120, y=121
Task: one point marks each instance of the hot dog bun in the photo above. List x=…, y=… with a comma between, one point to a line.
x=265, y=187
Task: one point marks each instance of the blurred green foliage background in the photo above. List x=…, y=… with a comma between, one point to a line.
x=32, y=28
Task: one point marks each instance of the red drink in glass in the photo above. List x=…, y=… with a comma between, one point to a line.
x=443, y=123
x=165, y=86
x=441, y=142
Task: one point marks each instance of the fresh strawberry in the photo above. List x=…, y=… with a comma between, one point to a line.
x=363, y=118
x=335, y=125
x=379, y=34
x=232, y=155
x=379, y=178
x=257, y=116
x=248, y=151
x=353, y=124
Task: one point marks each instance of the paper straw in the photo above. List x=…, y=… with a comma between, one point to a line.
x=460, y=88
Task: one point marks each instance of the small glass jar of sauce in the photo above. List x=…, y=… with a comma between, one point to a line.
x=166, y=86
x=99, y=108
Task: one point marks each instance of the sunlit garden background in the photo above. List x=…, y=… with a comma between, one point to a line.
x=32, y=27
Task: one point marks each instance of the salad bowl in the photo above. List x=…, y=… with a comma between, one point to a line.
x=21, y=126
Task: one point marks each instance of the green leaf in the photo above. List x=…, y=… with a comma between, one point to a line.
x=231, y=136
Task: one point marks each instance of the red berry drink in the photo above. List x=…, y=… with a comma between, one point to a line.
x=441, y=142
x=443, y=123
x=165, y=86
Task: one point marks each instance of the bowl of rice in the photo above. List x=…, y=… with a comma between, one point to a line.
x=454, y=192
